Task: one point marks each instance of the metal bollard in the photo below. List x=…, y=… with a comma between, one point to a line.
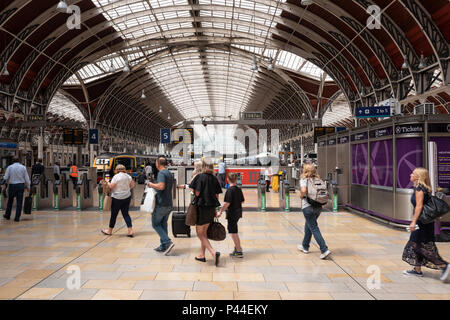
x=56, y=195
x=335, y=196
x=262, y=194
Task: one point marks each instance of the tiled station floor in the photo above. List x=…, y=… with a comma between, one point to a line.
x=36, y=253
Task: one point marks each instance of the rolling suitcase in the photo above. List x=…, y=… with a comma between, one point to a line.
x=179, y=218
x=27, y=205
x=141, y=179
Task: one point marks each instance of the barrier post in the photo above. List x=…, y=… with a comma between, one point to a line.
x=287, y=200
x=335, y=196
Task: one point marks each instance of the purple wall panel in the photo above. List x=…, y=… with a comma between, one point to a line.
x=360, y=163
x=409, y=157
x=381, y=163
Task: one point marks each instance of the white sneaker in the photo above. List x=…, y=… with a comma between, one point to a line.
x=300, y=247
x=325, y=254
x=445, y=273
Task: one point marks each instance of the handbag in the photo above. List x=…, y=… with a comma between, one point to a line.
x=107, y=203
x=191, y=215
x=433, y=209
x=216, y=231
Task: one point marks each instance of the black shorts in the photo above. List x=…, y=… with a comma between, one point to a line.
x=233, y=225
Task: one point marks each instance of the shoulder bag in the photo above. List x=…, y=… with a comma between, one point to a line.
x=433, y=209
x=191, y=215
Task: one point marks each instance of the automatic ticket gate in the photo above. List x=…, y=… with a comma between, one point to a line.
x=41, y=192
x=84, y=189
x=262, y=195
x=284, y=196
x=62, y=192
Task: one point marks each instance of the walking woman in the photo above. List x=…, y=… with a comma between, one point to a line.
x=311, y=214
x=121, y=185
x=421, y=249
x=207, y=189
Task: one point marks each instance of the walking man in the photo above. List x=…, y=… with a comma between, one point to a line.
x=163, y=205
x=73, y=173
x=17, y=177
x=56, y=171
x=148, y=171
x=222, y=171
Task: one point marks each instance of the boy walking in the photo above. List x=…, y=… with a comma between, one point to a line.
x=233, y=205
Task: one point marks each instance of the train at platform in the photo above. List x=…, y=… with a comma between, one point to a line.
x=106, y=162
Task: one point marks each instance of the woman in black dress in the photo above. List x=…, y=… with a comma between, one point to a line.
x=421, y=249
x=207, y=189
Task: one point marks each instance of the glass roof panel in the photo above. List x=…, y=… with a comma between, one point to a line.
x=63, y=107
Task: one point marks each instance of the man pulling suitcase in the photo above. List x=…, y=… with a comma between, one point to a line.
x=163, y=206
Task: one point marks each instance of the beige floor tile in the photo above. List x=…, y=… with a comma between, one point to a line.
x=138, y=276
x=209, y=295
x=215, y=286
x=162, y=295
x=305, y=296
x=425, y=296
x=10, y=293
x=108, y=294
x=186, y=276
x=238, y=277
x=41, y=293
x=109, y=284
x=257, y=295
x=155, y=268
x=22, y=283
x=34, y=274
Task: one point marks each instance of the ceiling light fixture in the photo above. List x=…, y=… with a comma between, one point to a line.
x=306, y=2
x=5, y=70
x=160, y=109
x=405, y=64
x=168, y=116
x=422, y=62
x=255, y=64
x=270, y=67
x=62, y=7
x=143, y=94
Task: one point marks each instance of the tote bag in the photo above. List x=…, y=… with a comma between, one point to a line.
x=216, y=231
x=148, y=200
x=191, y=215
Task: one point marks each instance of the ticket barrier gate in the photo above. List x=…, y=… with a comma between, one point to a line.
x=41, y=192
x=62, y=192
x=262, y=195
x=84, y=192
x=284, y=197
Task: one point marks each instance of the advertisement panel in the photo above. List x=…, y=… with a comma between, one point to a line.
x=409, y=157
x=443, y=160
x=360, y=164
x=381, y=171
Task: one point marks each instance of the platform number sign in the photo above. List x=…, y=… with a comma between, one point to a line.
x=165, y=135
x=373, y=112
x=93, y=136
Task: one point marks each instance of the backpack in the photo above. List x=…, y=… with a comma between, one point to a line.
x=317, y=194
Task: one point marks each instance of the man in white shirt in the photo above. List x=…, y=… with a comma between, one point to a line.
x=148, y=170
x=17, y=177
x=267, y=176
x=222, y=173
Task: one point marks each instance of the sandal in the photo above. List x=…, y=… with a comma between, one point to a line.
x=130, y=235
x=105, y=233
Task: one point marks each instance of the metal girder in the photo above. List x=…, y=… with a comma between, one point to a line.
x=253, y=122
x=435, y=38
x=23, y=69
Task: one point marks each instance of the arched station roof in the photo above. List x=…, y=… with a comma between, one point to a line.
x=193, y=57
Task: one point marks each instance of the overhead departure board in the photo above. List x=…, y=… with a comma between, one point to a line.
x=73, y=136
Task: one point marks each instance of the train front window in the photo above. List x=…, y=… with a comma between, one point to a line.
x=127, y=162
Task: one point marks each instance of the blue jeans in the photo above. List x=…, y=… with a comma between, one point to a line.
x=160, y=216
x=312, y=228
x=15, y=191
